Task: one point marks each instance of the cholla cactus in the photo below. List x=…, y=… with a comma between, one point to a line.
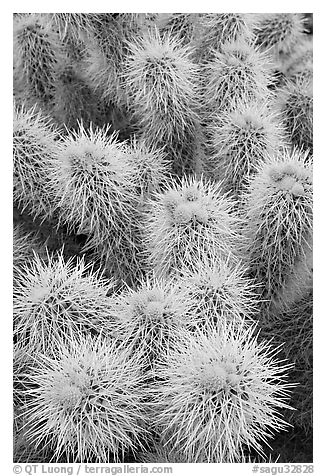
x=23, y=451
x=74, y=102
x=37, y=49
x=191, y=220
x=147, y=319
x=220, y=393
x=278, y=216
x=279, y=33
x=173, y=152
x=294, y=327
x=34, y=146
x=297, y=284
x=87, y=403
x=152, y=167
x=59, y=298
x=218, y=29
x=182, y=25
x=71, y=29
x=94, y=183
x=161, y=80
x=295, y=101
x=21, y=363
x=105, y=53
x=237, y=73
x=76, y=24
x=240, y=138
x=300, y=64
x=23, y=246
x=219, y=292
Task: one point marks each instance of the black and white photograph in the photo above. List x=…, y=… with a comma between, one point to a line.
x=162, y=240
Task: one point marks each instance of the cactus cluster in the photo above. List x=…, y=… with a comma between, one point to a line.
x=162, y=244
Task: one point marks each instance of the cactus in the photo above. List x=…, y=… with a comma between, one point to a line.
x=220, y=393
x=237, y=73
x=182, y=25
x=219, y=292
x=23, y=246
x=190, y=220
x=295, y=102
x=72, y=29
x=57, y=298
x=74, y=102
x=37, y=50
x=152, y=167
x=94, y=183
x=75, y=24
x=34, y=146
x=218, y=29
x=294, y=327
x=87, y=403
x=23, y=451
x=278, y=216
x=279, y=33
x=300, y=64
x=163, y=163
x=240, y=139
x=161, y=80
x=147, y=319
x=106, y=49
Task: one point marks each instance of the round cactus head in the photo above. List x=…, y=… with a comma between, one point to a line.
x=279, y=33
x=290, y=176
x=240, y=139
x=278, y=209
x=161, y=81
x=191, y=219
x=35, y=149
x=295, y=102
x=217, y=29
x=37, y=51
x=146, y=319
x=237, y=73
x=87, y=402
x=95, y=184
x=55, y=298
x=221, y=393
x=220, y=292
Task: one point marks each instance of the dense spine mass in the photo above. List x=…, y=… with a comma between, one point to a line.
x=295, y=101
x=191, y=220
x=238, y=72
x=95, y=187
x=35, y=148
x=163, y=196
x=278, y=213
x=36, y=53
x=86, y=403
x=219, y=393
x=57, y=298
x=161, y=84
x=240, y=139
x=146, y=320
